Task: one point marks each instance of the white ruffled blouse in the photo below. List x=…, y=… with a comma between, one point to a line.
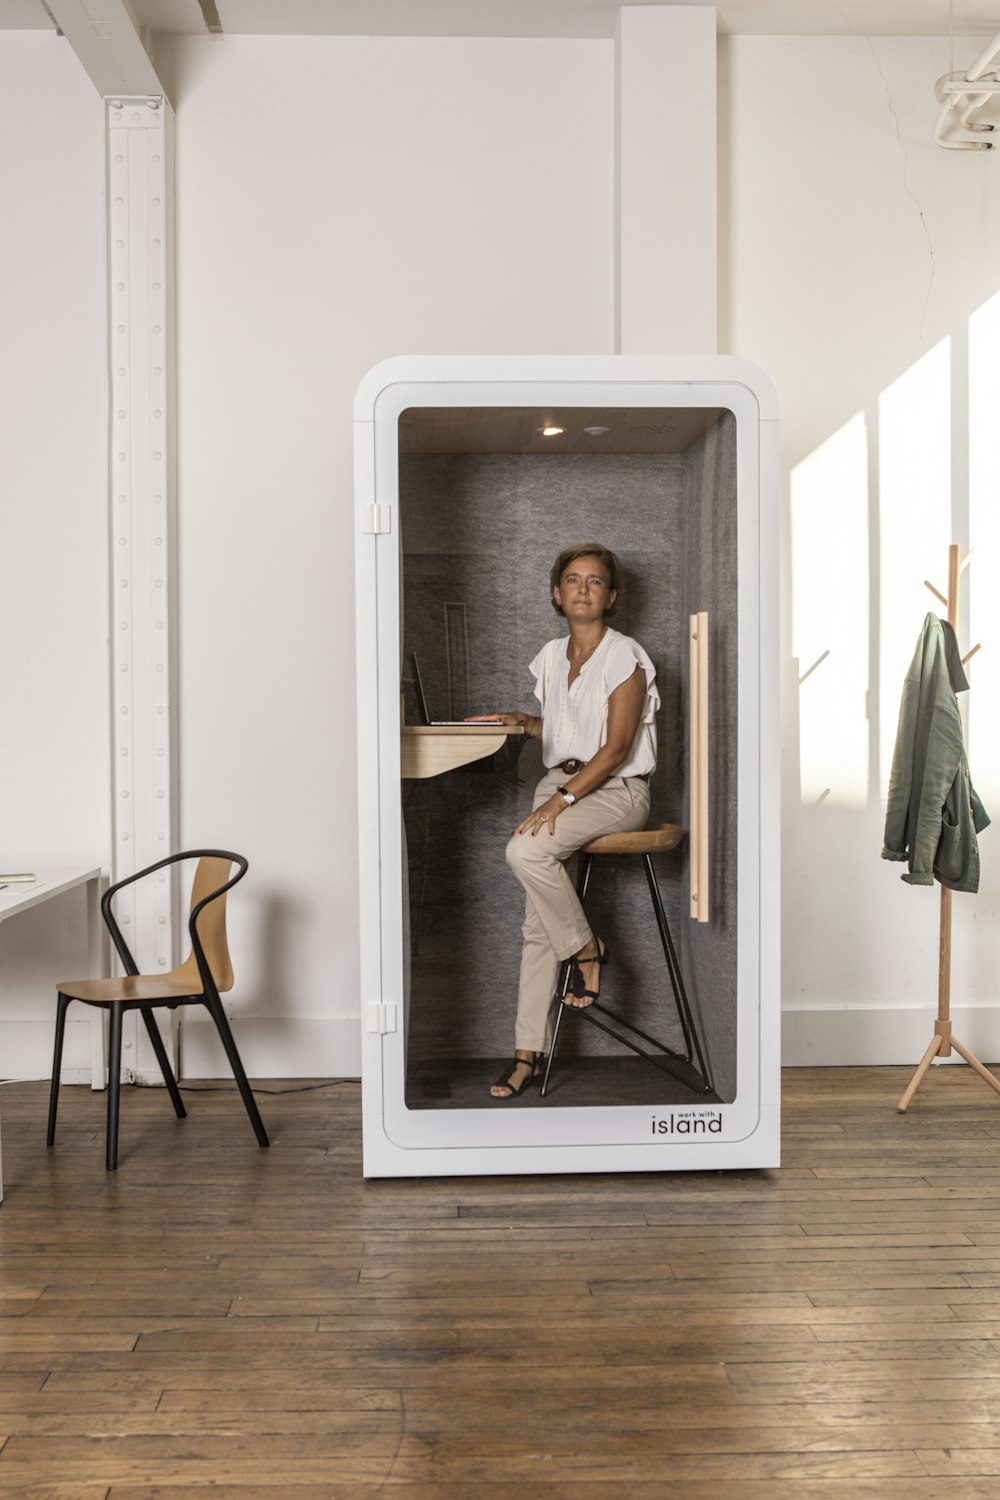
x=575, y=719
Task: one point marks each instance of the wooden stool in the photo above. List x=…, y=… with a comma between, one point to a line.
x=688, y=1067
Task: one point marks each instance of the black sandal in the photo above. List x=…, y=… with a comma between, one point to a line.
x=504, y=1082
x=576, y=986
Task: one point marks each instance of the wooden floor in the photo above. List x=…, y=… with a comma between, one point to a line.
x=219, y=1319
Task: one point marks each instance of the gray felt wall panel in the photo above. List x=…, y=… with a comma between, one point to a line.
x=708, y=951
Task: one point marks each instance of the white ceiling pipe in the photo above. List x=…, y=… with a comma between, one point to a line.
x=976, y=72
x=975, y=103
x=945, y=114
x=958, y=99
x=950, y=93
x=976, y=94
x=982, y=62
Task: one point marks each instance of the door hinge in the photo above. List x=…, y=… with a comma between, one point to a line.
x=376, y=520
x=382, y=1017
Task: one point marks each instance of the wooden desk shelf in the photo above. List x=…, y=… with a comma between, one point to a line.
x=431, y=749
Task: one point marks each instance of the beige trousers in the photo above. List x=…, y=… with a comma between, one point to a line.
x=555, y=924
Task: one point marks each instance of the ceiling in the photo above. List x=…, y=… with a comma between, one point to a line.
x=579, y=429
x=532, y=18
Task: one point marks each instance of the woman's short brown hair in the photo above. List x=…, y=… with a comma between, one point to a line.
x=604, y=555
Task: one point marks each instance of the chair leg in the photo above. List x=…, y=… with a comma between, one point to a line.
x=164, y=1062
x=62, y=1003
x=114, y=1085
x=215, y=1010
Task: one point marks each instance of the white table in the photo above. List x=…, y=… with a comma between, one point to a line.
x=50, y=882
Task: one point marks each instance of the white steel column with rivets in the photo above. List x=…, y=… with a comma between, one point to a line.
x=139, y=134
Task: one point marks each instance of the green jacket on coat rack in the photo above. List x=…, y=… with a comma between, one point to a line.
x=933, y=814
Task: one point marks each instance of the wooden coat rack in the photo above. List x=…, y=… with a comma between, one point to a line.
x=944, y=1038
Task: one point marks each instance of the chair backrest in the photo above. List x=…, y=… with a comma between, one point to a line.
x=210, y=874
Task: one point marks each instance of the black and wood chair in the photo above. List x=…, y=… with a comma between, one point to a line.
x=206, y=973
x=688, y=1067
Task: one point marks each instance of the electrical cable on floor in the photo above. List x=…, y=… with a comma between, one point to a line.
x=228, y=1088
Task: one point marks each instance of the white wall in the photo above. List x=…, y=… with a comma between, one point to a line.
x=665, y=180
x=338, y=201
x=851, y=248
x=54, y=742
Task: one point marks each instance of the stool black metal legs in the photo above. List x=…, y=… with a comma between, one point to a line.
x=692, y=1045
x=688, y=1067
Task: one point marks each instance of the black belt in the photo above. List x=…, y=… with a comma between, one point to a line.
x=570, y=768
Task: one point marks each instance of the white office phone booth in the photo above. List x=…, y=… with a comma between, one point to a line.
x=471, y=474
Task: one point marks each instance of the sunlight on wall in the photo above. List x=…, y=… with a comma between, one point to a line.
x=915, y=522
x=829, y=516
x=983, y=585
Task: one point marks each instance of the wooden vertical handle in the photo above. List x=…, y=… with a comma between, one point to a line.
x=694, y=766
x=703, y=771
x=698, y=760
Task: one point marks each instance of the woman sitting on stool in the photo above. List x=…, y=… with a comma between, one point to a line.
x=599, y=699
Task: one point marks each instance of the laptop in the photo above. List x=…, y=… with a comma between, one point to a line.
x=422, y=710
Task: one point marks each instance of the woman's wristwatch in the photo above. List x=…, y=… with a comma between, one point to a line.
x=566, y=795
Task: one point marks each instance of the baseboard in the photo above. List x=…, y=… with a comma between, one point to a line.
x=813, y=1037
x=27, y=1048
x=274, y=1047
x=271, y=1047
x=818, y=1037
